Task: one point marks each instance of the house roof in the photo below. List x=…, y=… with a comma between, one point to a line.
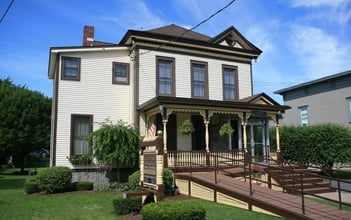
x=177, y=31
x=173, y=34
x=314, y=82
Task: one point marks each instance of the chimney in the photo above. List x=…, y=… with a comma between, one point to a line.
x=88, y=36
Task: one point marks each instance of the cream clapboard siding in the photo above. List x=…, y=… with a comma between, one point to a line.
x=94, y=94
x=147, y=75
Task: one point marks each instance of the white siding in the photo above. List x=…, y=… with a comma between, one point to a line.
x=147, y=75
x=94, y=94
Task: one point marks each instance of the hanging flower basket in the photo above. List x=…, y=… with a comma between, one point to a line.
x=186, y=127
x=226, y=129
x=81, y=159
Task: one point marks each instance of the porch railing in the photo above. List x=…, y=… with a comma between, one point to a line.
x=202, y=159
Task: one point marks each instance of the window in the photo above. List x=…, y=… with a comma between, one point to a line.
x=229, y=83
x=120, y=73
x=81, y=127
x=303, y=115
x=199, y=80
x=348, y=101
x=70, y=68
x=165, y=76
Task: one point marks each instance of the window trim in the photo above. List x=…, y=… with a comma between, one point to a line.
x=192, y=62
x=348, y=103
x=63, y=77
x=301, y=108
x=115, y=81
x=236, y=82
x=73, y=117
x=173, y=85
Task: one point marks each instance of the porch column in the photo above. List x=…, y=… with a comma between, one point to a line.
x=164, y=121
x=244, y=123
x=277, y=136
x=207, y=136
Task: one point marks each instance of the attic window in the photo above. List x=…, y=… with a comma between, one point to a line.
x=230, y=40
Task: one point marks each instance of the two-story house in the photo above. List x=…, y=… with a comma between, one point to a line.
x=324, y=100
x=160, y=77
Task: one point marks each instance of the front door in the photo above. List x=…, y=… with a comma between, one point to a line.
x=198, y=136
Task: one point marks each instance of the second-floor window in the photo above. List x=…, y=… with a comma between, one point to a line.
x=70, y=68
x=199, y=80
x=304, y=115
x=165, y=76
x=120, y=73
x=229, y=83
x=81, y=128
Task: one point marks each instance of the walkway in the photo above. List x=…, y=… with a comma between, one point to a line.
x=283, y=204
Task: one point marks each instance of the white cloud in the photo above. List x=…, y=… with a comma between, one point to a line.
x=135, y=15
x=317, y=52
x=319, y=3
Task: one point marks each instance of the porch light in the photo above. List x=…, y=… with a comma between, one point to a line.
x=161, y=109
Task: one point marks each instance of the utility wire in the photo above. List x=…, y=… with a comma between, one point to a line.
x=193, y=28
x=8, y=8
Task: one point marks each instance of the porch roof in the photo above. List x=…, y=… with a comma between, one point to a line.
x=259, y=102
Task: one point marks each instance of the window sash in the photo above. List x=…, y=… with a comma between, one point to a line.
x=229, y=83
x=198, y=80
x=120, y=73
x=81, y=129
x=70, y=68
x=165, y=73
x=304, y=119
x=348, y=100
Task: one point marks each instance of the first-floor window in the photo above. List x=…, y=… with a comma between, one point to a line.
x=303, y=115
x=81, y=128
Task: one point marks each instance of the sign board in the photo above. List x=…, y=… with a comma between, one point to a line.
x=150, y=167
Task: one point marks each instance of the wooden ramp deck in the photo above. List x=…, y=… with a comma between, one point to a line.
x=278, y=202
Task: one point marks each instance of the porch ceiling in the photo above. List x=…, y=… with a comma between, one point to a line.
x=260, y=102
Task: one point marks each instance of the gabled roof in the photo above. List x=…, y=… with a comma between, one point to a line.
x=177, y=31
x=176, y=35
x=261, y=98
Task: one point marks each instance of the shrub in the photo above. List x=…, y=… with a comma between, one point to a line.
x=126, y=206
x=31, y=186
x=83, y=185
x=133, y=181
x=54, y=179
x=177, y=210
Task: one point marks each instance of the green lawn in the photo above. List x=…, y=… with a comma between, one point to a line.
x=14, y=204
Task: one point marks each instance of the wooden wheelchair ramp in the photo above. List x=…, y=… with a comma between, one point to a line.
x=277, y=202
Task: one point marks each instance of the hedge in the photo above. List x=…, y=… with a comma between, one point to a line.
x=31, y=186
x=126, y=206
x=83, y=185
x=173, y=210
x=54, y=179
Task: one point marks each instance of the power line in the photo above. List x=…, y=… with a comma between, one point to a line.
x=193, y=28
x=8, y=8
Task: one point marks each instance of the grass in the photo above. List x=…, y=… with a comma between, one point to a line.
x=14, y=204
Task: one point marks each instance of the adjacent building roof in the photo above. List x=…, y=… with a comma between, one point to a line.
x=324, y=84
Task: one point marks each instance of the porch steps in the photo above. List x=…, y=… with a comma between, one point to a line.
x=299, y=179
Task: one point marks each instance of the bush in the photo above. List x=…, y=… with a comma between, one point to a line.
x=169, y=210
x=83, y=185
x=133, y=181
x=31, y=186
x=54, y=179
x=126, y=206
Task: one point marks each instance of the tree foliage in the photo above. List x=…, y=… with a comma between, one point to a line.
x=320, y=145
x=115, y=142
x=24, y=121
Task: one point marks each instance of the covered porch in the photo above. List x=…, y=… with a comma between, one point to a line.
x=249, y=118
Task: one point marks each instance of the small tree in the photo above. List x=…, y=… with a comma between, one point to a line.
x=117, y=142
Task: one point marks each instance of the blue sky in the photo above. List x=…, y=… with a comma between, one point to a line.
x=301, y=40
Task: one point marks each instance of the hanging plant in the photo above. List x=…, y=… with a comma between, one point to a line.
x=226, y=129
x=186, y=127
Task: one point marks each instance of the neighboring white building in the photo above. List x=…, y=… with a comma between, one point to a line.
x=320, y=101
x=164, y=75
